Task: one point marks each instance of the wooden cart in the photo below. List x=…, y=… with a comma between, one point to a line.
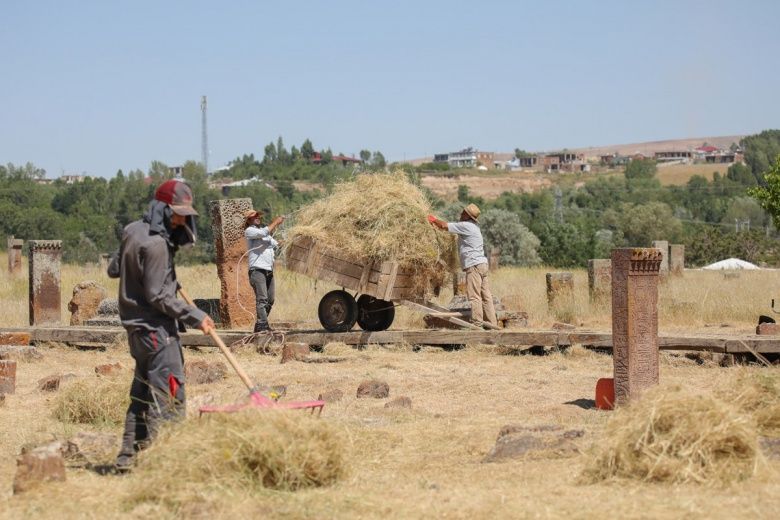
x=377, y=288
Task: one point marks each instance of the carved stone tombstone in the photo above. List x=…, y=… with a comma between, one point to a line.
x=493, y=259
x=676, y=259
x=634, y=320
x=15, y=254
x=599, y=279
x=227, y=222
x=85, y=302
x=663, y=246
x=44, y=281
x=560, y=288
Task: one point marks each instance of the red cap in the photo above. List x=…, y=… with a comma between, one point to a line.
x=177, y=195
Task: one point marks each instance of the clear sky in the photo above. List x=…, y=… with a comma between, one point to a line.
x=95, y=86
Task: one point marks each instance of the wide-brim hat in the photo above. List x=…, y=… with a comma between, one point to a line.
x=252, y=213
x=473, y=211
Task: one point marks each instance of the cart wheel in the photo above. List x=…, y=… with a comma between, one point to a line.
x=374, y=314
x=337, y=311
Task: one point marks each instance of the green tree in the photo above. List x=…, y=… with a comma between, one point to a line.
x=269, y=154
x=641, y=169
x=281, y=152
x=643, y=223
x=365, y=156
x=761, y=151
x=503, y=229
x=768, y=195
x=742, y=174
x=307, y=150
x=378, y=160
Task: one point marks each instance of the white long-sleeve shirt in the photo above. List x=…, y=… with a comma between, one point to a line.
x=261, y=247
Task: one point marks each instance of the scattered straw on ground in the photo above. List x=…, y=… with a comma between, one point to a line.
x=97, y=401
x=379, y=217
x=241, y=452
x=675, y=436
x=759, y=395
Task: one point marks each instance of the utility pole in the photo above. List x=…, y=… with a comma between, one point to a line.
x=204, y=135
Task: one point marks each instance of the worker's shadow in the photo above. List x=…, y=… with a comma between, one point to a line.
x=585, y=404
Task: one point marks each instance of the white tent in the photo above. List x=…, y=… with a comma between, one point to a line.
x=730, y=264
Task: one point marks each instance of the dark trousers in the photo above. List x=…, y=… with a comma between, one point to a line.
x=157, y=391
x=262, y=282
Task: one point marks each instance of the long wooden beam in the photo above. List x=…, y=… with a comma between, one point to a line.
x=550, y=338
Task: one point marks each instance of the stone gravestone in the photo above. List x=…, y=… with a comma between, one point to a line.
x=44, y=281
x=494, y=258
x=676, y=259
x=663, y=245
x=85, y=302
x=634, y=321
x=599, y=279
x=227, y=222
x=14, y=254
x=560, y=288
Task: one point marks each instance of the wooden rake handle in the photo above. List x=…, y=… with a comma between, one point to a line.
x=225, y=351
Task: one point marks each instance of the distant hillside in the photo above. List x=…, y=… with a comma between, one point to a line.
x=646, y=148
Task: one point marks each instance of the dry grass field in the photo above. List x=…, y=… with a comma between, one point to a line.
x=680, y=174
x=423, y=462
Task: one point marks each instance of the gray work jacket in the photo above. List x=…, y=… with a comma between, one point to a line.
x=147, y=282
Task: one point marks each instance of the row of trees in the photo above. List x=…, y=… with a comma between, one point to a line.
x=563, y=226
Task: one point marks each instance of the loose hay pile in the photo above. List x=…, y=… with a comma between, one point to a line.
x=96, y=401
x=379, y=217
x=759, y=395
x=198, y=460
x=677, y=437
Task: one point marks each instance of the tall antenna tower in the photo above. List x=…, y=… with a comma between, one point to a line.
x=204, y=135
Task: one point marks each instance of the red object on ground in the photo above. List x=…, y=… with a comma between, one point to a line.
x=605, y=393
x=431, y=219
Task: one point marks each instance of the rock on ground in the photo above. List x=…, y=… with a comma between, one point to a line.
x=545, y=441
x=331, y=395
x=200, y=372
x=39, y=465
x=373, y=388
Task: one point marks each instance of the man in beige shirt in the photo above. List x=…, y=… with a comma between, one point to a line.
x=471, y=250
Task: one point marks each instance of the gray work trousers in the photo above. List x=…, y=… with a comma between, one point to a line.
x=157, y=391
x=262, y=282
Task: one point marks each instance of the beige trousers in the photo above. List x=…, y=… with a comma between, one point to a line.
x=480, y=297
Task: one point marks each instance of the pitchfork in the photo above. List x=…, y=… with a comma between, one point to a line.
x=256, y=399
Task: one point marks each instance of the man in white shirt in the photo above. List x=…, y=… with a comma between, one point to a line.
x=261, y=246
x=473, y=261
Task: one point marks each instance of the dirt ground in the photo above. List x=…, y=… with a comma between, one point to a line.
x=418, y=463
x=486, y=186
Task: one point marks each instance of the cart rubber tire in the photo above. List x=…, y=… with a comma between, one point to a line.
x=337, y=311
x=374, y=314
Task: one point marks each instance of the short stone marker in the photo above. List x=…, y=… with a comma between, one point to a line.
x=331, y=395
x=200, y=372
x=560, y=288
x=663, y=246
x=599, y=279
x=7, y=376
x=544, y=441
x=227, y=223
x=677, y=259
x=15, y=255
x=634, y=321
x=85, y=302
x=44, y=282
x=295, y=352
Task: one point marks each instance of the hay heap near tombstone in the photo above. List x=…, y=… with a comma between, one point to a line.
x=376, y=218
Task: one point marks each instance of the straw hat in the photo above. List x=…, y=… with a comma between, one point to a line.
x=252, y=213
x=472, y=210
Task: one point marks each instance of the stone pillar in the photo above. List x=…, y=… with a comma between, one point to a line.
x=663, y=245
x=493, y=259
x=44, y=281
x=560, y=287
x=227, y=222
x=599, y=279
x=676, y=259
x=15, y=254
x=7, y=376
x=634, y=320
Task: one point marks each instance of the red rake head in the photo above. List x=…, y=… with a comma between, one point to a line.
x=257, y=400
